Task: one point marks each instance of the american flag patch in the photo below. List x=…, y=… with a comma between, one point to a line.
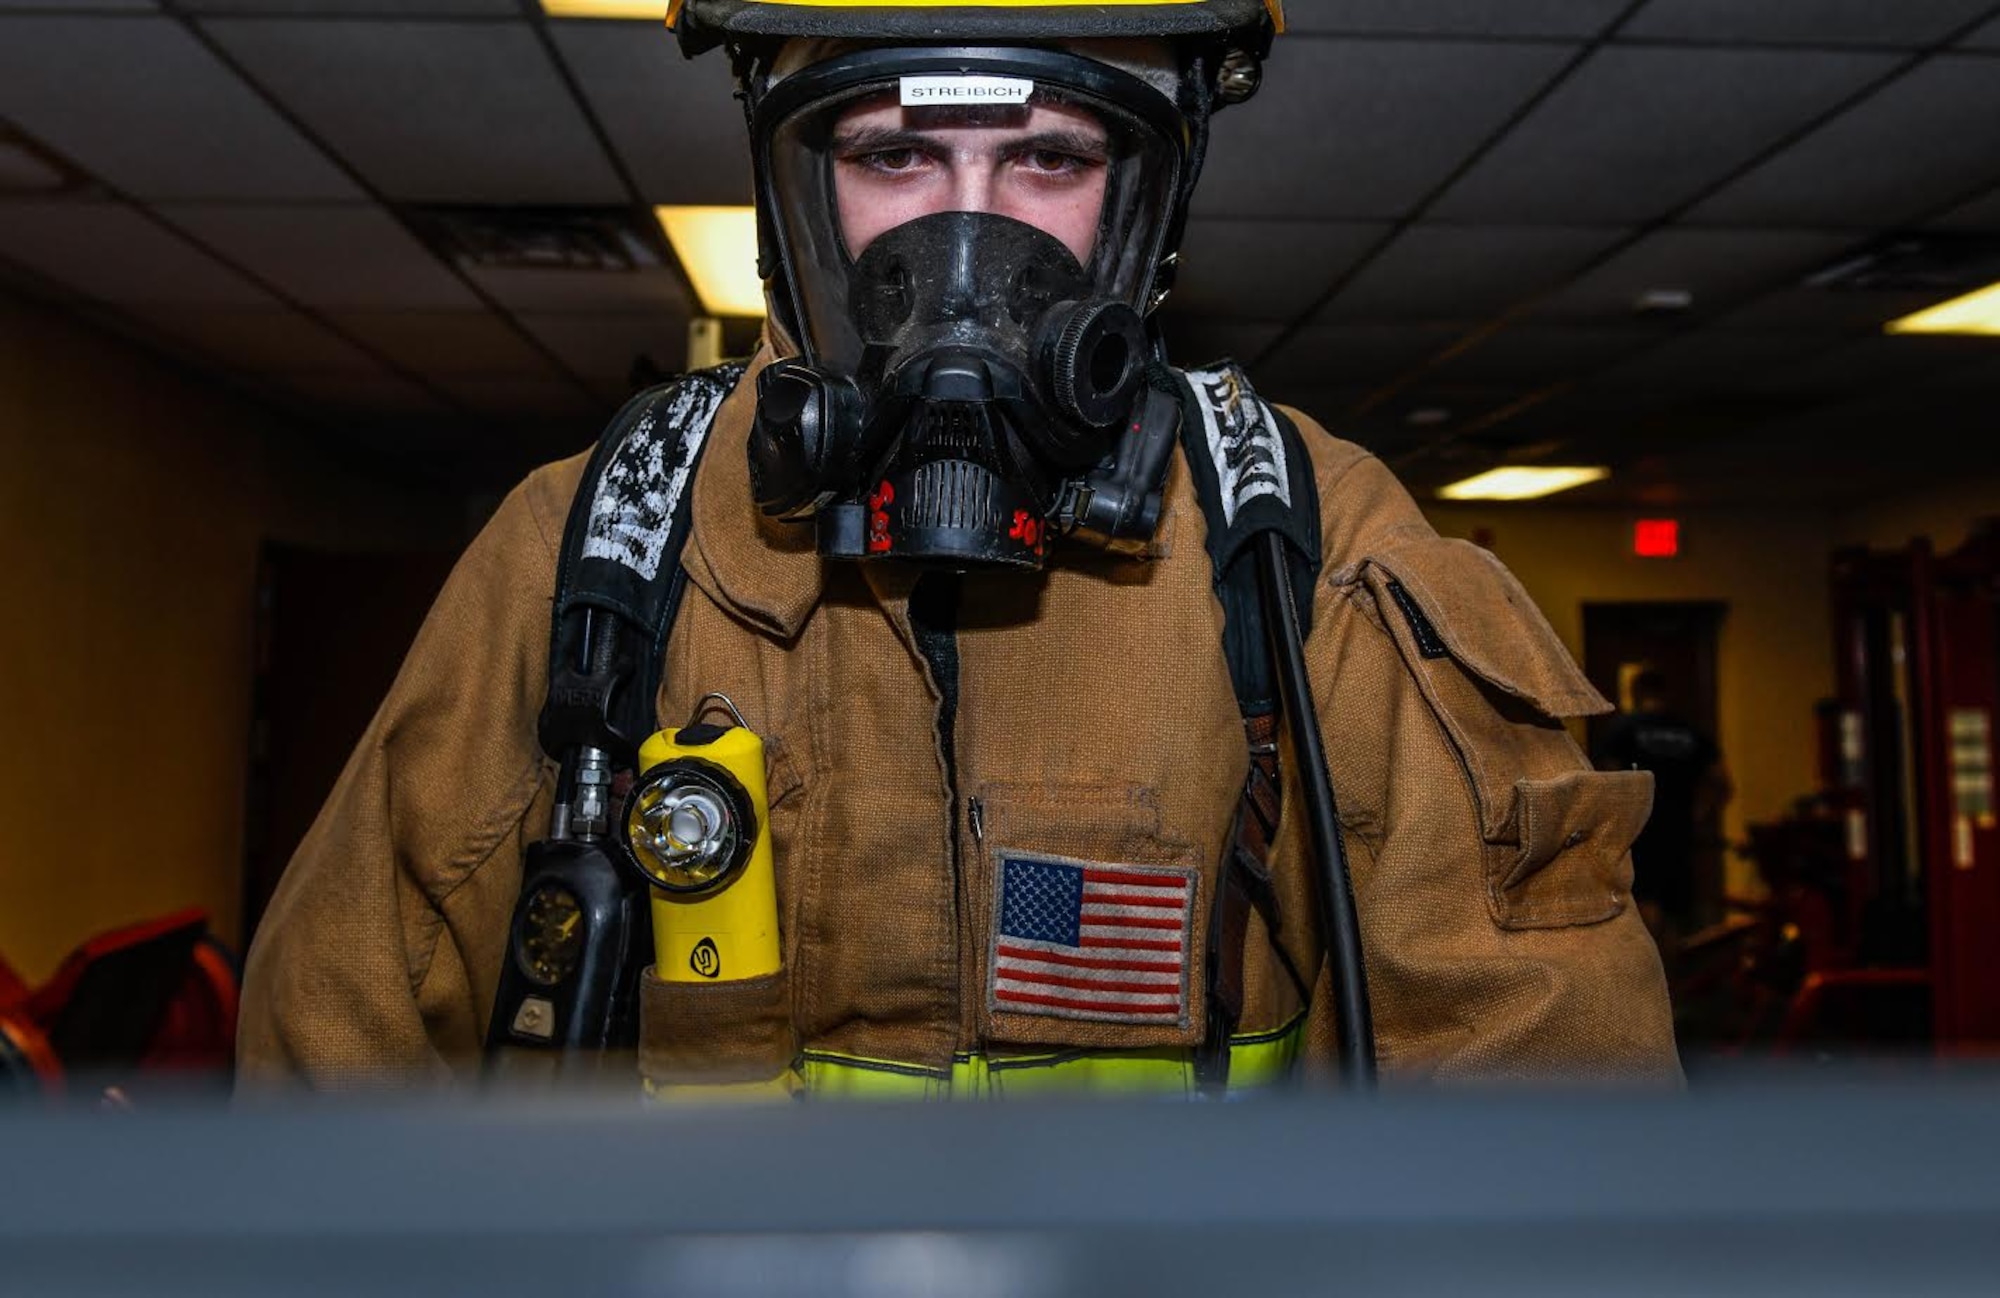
x=1078, y=940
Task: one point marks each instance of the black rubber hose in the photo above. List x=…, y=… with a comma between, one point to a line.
x=1340, y=927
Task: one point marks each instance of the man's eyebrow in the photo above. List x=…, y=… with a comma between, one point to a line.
x=1083, y=144
x=851, y=138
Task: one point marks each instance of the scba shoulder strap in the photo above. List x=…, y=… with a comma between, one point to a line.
x=1253, y=477
x=619, y=579
x=581, y=931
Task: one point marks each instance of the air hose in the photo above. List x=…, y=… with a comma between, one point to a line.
x=1340, y=927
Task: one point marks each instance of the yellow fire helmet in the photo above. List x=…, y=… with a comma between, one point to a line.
x=714, y=21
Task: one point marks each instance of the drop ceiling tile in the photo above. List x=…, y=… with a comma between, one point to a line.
x=1577, y=19
x=377, y=392
x=1531, y=356
x=648, y=289
x=1200, y=341
x=1638, y=131
x=1718, y=267
x=359, y=8
x=432, y=111
x=675, y=122
x=1367, y=129
x=599, y=347
x=1868, y=366
x=1986, y=38
x=1326, y=406
x=347, y=256
x=1980, y=375
x=29, y=171
x=441, y=344
x=1351, y=355
x=1266, y=270
x=1908, y=23
x=1429, y=408
x=1436, y=272
x=83, y=6
x=1918, y=144
x=613, y=391
x=1707, y=362
x=1981, y=214
x=509, y=396
x=262, y=342
x=141, y=104
x=1826, y=311
x=114, y=253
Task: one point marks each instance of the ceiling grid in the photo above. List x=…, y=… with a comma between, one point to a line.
x=1475, y=196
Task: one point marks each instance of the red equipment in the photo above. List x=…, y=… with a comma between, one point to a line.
x=1919, y=667
x=1885, y=884
x=146, y=1007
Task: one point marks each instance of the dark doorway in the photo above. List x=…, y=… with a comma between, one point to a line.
x=1620, y=640
x=332, y=630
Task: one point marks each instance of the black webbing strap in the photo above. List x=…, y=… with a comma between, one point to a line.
x=619, y=579
x=1252, y=476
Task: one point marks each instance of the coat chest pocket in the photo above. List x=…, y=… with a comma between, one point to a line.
x=1090, y=927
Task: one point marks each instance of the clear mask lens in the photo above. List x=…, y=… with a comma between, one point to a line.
x=871, y=158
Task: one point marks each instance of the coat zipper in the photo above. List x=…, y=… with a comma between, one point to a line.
x=934, y=623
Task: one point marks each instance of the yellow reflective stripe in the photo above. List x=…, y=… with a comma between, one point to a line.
x=1140, y=1072
x=854, y=1077
x=1255, y=1060
x=1265, y=1059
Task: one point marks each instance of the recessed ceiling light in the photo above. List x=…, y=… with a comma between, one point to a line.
x=1978, y=312
x=1523, y=482
x=718, y=248
x=648, y=10
x=1663, y=301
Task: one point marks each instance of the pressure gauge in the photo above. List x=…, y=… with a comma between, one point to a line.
x=551, y=938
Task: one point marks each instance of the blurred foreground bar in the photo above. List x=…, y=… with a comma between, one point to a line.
x=1770, y=1190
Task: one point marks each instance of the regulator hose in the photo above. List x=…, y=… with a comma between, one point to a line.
x=1340, y=927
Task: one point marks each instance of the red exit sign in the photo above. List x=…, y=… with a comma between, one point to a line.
x=1656, y=538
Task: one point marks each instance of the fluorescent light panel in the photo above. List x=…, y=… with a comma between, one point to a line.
x=1523, y=482
x=718, y=248
x=1977, y=312
x=648, y=10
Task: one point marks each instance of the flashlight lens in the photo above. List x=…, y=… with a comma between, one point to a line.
x=689, y=826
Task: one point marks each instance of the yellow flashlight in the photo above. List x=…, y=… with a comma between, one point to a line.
x=697, y=827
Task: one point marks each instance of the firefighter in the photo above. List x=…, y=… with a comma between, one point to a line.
x=961, y=546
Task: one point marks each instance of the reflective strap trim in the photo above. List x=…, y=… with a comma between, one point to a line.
x=1256, y=1060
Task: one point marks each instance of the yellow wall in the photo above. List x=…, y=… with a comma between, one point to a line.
x=133, y=498
x=1774, y=656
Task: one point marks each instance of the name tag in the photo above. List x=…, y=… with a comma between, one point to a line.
x=925, y=92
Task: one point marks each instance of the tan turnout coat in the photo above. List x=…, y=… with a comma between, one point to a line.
x=1096, y=722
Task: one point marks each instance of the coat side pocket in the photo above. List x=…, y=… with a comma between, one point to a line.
x=715, y=1033
x=1573, y=863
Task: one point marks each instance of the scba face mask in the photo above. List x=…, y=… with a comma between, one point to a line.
x=970, y=239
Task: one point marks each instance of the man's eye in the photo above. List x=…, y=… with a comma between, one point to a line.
x=1053, y=162
x=891, y=160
